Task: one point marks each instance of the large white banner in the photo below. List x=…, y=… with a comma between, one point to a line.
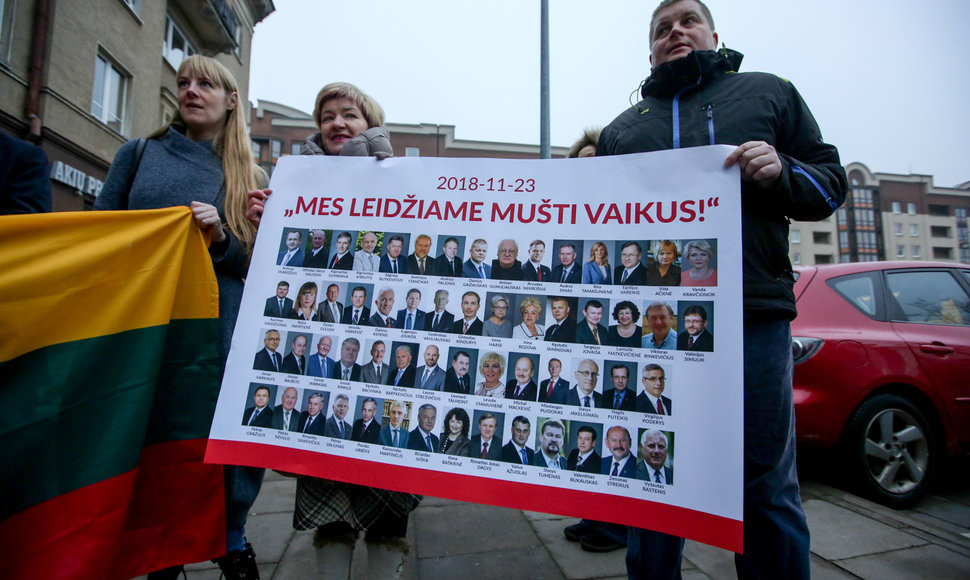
x=553, y=335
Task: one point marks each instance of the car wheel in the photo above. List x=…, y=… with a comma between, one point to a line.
x=892, y=450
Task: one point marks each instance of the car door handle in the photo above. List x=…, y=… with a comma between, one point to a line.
x=936, y=348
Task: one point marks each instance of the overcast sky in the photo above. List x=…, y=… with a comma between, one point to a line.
x=887, y=80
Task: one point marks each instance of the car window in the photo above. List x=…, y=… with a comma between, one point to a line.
x=859, y=290
x=933, y=297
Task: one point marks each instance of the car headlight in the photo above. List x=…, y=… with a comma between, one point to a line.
x=804, y=348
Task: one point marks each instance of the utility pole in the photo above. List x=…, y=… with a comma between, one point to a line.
x=544, y=149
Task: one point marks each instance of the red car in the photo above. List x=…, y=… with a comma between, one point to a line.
x=882, y=370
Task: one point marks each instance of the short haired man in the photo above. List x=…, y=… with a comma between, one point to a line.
x=584, y=393
x=312, y=420
x=385, y=306
x=534, y=270
x=430, y=376
x=320, y=364
x=564, y=328
x=357, y=314
x=659, y=318
x=336, y=426
x=589, y=330
x=554, y=389
x=393, y=261
x=278, y=306
x=584, y=457
x=695, y=336
x=420, y=262
x=630, y=272
x=567, y=271
x=403, y=373
x=422, y=437
x=348, y=369
x=470, y=323
x=394, y=434
x=457, y=379
x=285, y=416
x=342, y=259
x=652, y=400
x=267, y=359
x=293, y=254
x=653, y=465
x=317, y=256
x=411, y=317
x=331, y=310
x=365, y=259
x=448, y=263
x=551, y=437
x=475, y=266
x=522, y=387
x=260, y=414
x=621, y=463
x=487, y=444
x=506, y=265
x=440, y=320
x=620, y=397
x=517, y=450
x=376, y=371
x=295, y=362
x=790, y=173
x=367, y=429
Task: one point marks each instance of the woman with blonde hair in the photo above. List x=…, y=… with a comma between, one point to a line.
x=699, y=254
x=203, y=159
x=662, y=271
x=531, y=310
x=305, y=305
x=596, y=270
x=492, y=371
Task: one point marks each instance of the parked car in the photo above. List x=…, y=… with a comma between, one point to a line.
x=882, y=370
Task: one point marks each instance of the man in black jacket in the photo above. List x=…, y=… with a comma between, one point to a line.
x=787, y=172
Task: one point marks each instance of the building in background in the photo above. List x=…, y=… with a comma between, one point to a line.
x=278, y=130
x=888, y=217
x=82, y=77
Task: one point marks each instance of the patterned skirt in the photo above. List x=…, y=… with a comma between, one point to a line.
x=322, y=501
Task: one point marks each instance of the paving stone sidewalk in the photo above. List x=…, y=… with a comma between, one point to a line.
x=851, y=538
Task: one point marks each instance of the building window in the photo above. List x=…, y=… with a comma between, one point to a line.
x=942, y=253
x=960, y=213
x=916, y=252
x=796, y=236
x=823, y=258
x=898, y=229
x=257, y=151
x=277, y=149
x=133, y=4
x=822, y=237
x=913, y=231
x=296, y=147
x=939, y=231
x=6, y=28
x=412, y=152
x=900, y=251
x=897, y=207
x=911, y=208
x=939, y=210
x=796, y=258
x=110, y=94
x=176, y=46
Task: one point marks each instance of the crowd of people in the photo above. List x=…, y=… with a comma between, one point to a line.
x=693, y=96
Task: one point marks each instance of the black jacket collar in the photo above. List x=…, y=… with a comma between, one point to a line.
x=697, y=68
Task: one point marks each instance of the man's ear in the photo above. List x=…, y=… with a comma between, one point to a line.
x=715, y=41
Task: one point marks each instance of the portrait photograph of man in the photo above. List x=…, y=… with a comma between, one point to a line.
x=586, y=393
x=440, y=320
x=341, y=257
x=394, y=431
x=402, y=373
x=621, y=393
x=620, y=462
x=553, y=388
x=367, y=428
x=394, y=260
x=590, y=328
x=521, y=385
x=698, y=333
x=652, y=399
x=317, y=255
x=552, y=437
x=430, y=376
x=337, y=425
x=331, y=309
x=291, y=249
x=656, y=457
x=448, y=262
x=423, y=437
x=420, y=261
x=279, y=306
x=583, y=443
x=260, y=413
x=357, y=312
x=486, y=441
x=517, y=450
x=313, y=419
x=286, y=414
x=377, y=369
x=460, y=375
x=566, y=269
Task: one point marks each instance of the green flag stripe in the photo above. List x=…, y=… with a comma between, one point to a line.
x=77, y=413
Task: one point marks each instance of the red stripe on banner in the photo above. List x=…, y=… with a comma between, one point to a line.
x=170, y=510
x=692, y=524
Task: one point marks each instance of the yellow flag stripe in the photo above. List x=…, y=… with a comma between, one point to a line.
x=73, y=275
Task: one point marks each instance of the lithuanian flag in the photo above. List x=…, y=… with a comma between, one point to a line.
x=108, y=381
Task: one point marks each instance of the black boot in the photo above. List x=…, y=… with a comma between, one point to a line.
x=239, y=565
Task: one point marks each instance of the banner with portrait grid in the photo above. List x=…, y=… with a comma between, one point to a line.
x=510, y=332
